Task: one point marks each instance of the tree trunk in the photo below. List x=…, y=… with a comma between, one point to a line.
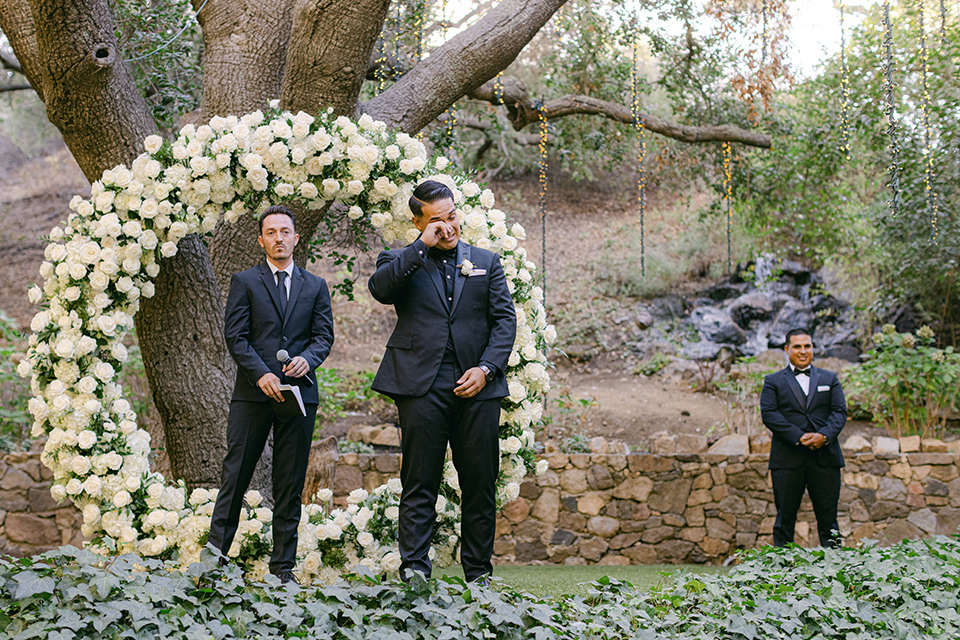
x=186, y=361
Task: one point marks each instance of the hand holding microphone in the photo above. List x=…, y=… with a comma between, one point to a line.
x=295, y=367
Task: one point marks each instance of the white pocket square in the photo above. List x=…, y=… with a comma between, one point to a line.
x=823, y=387
x=477, y=272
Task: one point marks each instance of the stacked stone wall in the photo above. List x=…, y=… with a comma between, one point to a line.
x=610, y=508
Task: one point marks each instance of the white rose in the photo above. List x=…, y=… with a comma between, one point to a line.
x=355, y=213
x=365, y=539
x=91, y=514
x=121, y=498
x=470, y=189
x=64, y=348
x=312, y=562
x=390, y=562
x=357, y=496
x=58, y=492
x=517, y=391
x=104, y=371
x=155, y=490
x=392, y=513
x=542, y=466
x=73, y=488
x=253, y=498
x=152, y=144
x=487, y=198
x=330, y=187
x=80, y=465
x=324, y=495
x=309, y=190
x=442, y=163
x=392, y=152
x=512, y=491
x=354, y=187
x=407, y=166
x=511, y=444
x=168, y=249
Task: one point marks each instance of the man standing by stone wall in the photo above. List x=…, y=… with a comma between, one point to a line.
x=805, y=410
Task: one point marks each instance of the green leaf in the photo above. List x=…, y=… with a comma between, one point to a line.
x=30, y=584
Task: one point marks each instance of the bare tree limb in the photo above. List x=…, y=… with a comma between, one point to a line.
x=16, y=21
x=10, y=62
x=522, y=111
x=481, y=8
x=461, y=65
x=14, y=87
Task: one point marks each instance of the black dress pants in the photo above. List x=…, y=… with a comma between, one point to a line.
x=248, y=426
x=823, y=484
x=472, y=428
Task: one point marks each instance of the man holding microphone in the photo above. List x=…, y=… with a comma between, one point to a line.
x=272, y=309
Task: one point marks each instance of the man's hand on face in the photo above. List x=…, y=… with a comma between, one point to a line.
x=470, y=383
x=270, y=385
x=813, y=441
x=435, y=232
x=296, y=368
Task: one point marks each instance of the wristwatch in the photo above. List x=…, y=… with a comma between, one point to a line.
x=486, y=371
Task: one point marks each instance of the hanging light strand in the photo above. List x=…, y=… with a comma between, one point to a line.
x=727, y=196
x=943, y=22
x=844, y=91
x=542, y=175
x=891, y=110
x=641, y=150
x=397, y=24
x=763, y=53
x=381, y=69
x=450, y=115
x=928, y=171
x=498, y=89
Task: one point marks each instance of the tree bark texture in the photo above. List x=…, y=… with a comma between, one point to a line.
x=88, y=91
x=329, y=52
x=462, y=64
x=244, y=45
x=186, y=361
x=16, y=21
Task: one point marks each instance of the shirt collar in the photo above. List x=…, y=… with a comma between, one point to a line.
x=793, y=368
x=274, y=269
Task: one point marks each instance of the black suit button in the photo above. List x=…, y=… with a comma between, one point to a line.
x=283, y=339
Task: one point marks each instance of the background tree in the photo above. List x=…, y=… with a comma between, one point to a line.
x=105, y=96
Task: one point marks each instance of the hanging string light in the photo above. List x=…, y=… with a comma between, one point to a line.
x=380, y=72
x=450, y=115
x=396, y=42
x=419, y=9
x=763, y=54
x=542, y=175
x=641, y=147
x=891, y=111
x=943, y=22
x=931, y=195
x=844, y=91
x=727, y=196
x=498, y=89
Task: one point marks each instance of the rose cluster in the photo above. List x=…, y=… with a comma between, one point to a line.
x=103, y=260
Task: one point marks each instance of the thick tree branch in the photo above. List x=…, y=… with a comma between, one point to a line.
x=16, y=21
x=88, y=90
x=329, y=51
x=461, y=65
x=14, y=87
x=522, y=111
x=245, y=45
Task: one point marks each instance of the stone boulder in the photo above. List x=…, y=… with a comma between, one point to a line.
x=703, y=350
x=751, y=307
x=794, y=315
x=717, y=326
x=732, y=445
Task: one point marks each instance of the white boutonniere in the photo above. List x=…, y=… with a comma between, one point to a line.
x=466, y=267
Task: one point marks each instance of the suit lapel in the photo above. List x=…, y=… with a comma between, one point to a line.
x=434, y=272
x=814, y=379
x=463, y=253
x=271, y=284
x=296, y=284
x=794, y=386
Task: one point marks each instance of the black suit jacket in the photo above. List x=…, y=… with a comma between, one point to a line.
x=254, y=330
x=789, y=414
x=483, y=321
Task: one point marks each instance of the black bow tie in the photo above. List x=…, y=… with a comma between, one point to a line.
x=440, y=254
x=802, y=372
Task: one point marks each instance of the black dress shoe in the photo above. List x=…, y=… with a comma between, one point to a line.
x=287, y=577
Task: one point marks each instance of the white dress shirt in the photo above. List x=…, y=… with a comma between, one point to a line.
x=288, y=271
x=803, y=381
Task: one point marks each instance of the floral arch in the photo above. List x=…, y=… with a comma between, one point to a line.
x=103, y=260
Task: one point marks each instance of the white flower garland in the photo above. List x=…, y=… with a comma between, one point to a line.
x=104, y=259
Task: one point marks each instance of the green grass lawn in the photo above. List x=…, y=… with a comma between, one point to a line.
x=556, y=580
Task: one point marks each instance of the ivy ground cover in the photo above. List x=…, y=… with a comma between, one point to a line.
x=909, y=591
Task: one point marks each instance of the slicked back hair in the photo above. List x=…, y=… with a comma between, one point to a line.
x=428, y=192
x=797, y=332
x=282, y=210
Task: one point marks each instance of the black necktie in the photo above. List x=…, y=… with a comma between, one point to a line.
x=282, y=291
x=802, y=372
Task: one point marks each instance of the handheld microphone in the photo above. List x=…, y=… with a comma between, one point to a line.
x=284, y=358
